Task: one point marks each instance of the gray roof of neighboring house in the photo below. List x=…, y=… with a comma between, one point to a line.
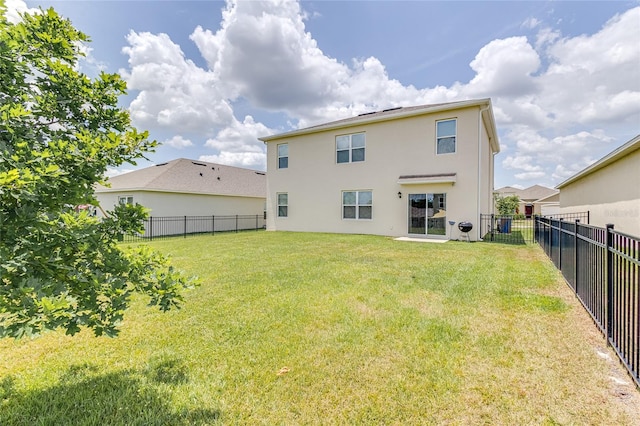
x=397, y=113
x=532, y=193
x=612, y=157
x=192, y=177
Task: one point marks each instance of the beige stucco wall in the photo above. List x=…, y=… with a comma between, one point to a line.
x=314, y=181
x=610, y=194
x=180, y=204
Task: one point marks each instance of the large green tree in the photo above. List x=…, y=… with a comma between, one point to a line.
x=59, y=131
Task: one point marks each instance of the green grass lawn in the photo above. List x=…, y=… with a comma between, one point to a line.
x=291, y=328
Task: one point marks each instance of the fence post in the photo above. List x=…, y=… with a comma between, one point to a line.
x=150, y=228
x=575, y=255
x=609, y=327
x=550, y=238
x=560, y=245
x=213, y=224
x=236, y=223
x=256, y=222
x=185, y=227
x=492, y=224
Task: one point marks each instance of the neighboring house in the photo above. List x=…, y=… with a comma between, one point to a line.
x=407, y=171
x=550, y=205
x=531, y=199
x=188, y=188
x=609, y=189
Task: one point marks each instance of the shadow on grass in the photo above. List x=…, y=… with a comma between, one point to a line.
x=82, y=397
x=512, y=238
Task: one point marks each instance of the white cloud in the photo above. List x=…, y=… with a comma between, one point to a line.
x=248, y=160
x=263, y=50
x=238, y=145
x=15, y=8
x=521, y=163
x=504, y=68
x=178, y=142
x=111, y=171
x=530, y=23
x=530, y=175
x=174, y=93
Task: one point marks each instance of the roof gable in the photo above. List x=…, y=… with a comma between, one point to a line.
x=536, y=192
x=531, y=193
x=191, y=176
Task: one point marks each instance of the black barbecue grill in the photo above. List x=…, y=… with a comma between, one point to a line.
x=465, y=227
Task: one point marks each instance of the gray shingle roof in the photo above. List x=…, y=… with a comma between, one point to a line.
x=194, y=177
x=531, y=193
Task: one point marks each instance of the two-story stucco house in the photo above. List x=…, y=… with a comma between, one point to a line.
x=409, y=171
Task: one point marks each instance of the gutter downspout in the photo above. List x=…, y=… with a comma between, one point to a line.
x=479, y=168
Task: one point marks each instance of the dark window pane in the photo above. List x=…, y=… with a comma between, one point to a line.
x=365, y=212
x=343, y=156
x=446, y=145
x=349, y=212
x=283, y=162
x=357, y=154
x=282, y=211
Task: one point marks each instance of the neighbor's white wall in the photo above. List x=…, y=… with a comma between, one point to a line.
x=610, y=194
x=178, y=204
x=314, y=181
x=550, y=209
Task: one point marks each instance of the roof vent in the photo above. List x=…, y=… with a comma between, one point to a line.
x=367, y=113
x=391, y=109
x=261, y=173
x=198, y=164
x=161, y=164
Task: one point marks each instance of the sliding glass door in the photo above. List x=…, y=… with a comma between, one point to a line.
x=428, y=214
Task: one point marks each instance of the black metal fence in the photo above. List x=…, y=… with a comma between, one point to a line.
x=517, y=229
x=602, y=266
x=173, y=226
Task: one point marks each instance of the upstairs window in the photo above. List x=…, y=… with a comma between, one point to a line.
x=283, y=204
x=446, y=136
x=125, y=200
x=283, y=156
x=350, y=148
x=357, y=204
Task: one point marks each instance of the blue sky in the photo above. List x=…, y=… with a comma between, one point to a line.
x=208, y=78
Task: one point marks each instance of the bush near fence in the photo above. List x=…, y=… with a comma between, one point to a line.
x=174, y=226
x=602, y=266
